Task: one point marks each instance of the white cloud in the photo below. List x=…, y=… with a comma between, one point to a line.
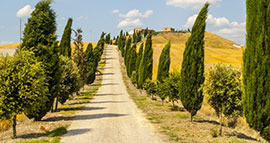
x=62, y=18
x=129, y=23
x=212, y=22
x=221, y=25
x=135, y=13
x=25, y=11
x=115, y=11
x=194, y=4
x=131, y=32
x=82, y=18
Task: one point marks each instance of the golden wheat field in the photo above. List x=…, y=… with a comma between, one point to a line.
x=217, y=50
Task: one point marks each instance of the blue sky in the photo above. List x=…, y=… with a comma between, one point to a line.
x=226, y=17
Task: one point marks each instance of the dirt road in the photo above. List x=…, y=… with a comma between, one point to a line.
x=111, y=117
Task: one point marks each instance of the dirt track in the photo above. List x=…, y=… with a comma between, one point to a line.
x=111, y=117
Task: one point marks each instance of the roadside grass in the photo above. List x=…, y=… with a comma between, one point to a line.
x=30, y=132
x=175, y=125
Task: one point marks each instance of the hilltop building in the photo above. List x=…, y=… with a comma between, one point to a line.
x=168, y=29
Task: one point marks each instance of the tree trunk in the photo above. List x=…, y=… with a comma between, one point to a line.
x=173, y=104
x=220, y=122
x=14, y=123
x=162, y=102
x=191, y=118
x=52, y=106
x=56, y=104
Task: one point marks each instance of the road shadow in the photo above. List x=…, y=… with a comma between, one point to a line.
x=107, y=59
x=84, y=117
x=75, y=132
x=102, y=102
x=105, y=84
x=207, y=121
x=101, y=74
x=31, y=135
x=241, y=136
x=107, y=94
x=80, y=108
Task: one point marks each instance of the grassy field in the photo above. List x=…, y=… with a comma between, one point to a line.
x=175, y=125
x=54, y=123
x=217, y=50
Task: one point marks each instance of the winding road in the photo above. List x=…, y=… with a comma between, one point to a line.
x=111, y=117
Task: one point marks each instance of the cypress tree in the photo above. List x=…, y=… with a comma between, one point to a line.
x=192, y=71
x=164, y=63
x=256, y=69
x=146, y=64
x=43, y=43
x=65, y=48
x=132, y=60
x=90, y=64
x=138, y=61
x=126, y=54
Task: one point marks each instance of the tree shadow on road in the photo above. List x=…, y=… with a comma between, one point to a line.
x=84, y=117
x=101, y=102
x=80, y=108
x=74, y=132
x=107, y=94
x=241, y=136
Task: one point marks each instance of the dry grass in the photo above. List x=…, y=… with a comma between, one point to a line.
x=13, y=45
x=217, y=50
x=27, y=130
x=175, y=125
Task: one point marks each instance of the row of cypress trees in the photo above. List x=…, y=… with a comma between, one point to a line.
x=41, y=71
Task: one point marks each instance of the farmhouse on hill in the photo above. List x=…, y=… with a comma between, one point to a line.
x=168, y=29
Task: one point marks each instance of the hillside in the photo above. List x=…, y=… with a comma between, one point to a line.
x=217, y=50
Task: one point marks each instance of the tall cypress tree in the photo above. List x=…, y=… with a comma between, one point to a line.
x=164, y=63
x=65, y=48
x=192, y=71
x=131, y=63
x=43, y=43
x=126, y=54
x=91, y=70
x=138, y=61
x=256, y=69
x=146, y=64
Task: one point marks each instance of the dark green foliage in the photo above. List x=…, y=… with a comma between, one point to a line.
x=164, y=63
x=40, y=37
x=79, y=56
x=126, y=51
x=22, y=85
x=146, y=64
x=56, y=132
x=133, y=77
x=121, y=43
x=163, y=91
x=172, y=82
x=150, y=87
x=224, y=90
x=192, y=71
x=256, y=69
x=138, y=61
x=145, y=32
x=65, y=48
x=91, y=65
x=108, y=39
x=131, y=63
x=70, y=80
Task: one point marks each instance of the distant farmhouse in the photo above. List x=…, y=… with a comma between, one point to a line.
x=138, y=30
x=168, y=29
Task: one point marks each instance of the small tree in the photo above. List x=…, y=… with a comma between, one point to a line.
x=224, y=90
x=164, y=63
x=146, y=64
x=65, y=48
x=91, y=68
x=108, y=39
x=163, y=91
x=192, y=71
x=150, y=87
x=131, y=65
x=69, y=81
x=173, y=83
x=126, y=51
x=23, y=85
x=79, y=56
x=138, y=61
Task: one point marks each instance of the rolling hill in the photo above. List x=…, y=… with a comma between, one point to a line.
x=217, y=50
